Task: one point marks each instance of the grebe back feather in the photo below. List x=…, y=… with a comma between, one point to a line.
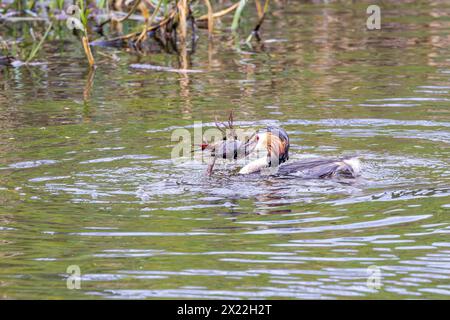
x=322, y=167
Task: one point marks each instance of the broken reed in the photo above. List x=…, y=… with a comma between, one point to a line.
x=84, y=14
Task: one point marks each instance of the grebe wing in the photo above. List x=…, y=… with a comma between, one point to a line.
x=322, y=167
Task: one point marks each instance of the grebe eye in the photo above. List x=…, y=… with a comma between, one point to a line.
x=257, y=138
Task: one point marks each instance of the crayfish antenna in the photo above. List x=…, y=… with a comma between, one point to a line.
x=218, y=126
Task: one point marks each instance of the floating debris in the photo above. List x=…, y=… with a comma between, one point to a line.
x=161, y=68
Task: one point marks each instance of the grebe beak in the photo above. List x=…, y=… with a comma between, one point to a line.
x=250, y=145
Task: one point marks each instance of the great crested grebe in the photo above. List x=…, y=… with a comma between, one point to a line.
x=269, y=150
x=272, y=147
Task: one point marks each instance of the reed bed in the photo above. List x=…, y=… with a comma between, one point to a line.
x=170, y=24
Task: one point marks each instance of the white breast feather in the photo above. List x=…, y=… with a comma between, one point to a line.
x=355, y=164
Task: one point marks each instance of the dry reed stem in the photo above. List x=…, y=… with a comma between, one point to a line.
x=87, y=50
x=183, y=11
x=136, y=4
x=144, y=11
x=262, y=17
x=255, y=31
x=143, y=34
x=220, y=13
x=150, y=3
x=210, y=18
x=259, y=8
x=150, y=28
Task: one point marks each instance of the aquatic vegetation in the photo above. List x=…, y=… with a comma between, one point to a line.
x=167, y=23
x=38, y=46
x=83, y=13
x=238, y=14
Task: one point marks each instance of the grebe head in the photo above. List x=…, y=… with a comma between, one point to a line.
x=270, y=141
